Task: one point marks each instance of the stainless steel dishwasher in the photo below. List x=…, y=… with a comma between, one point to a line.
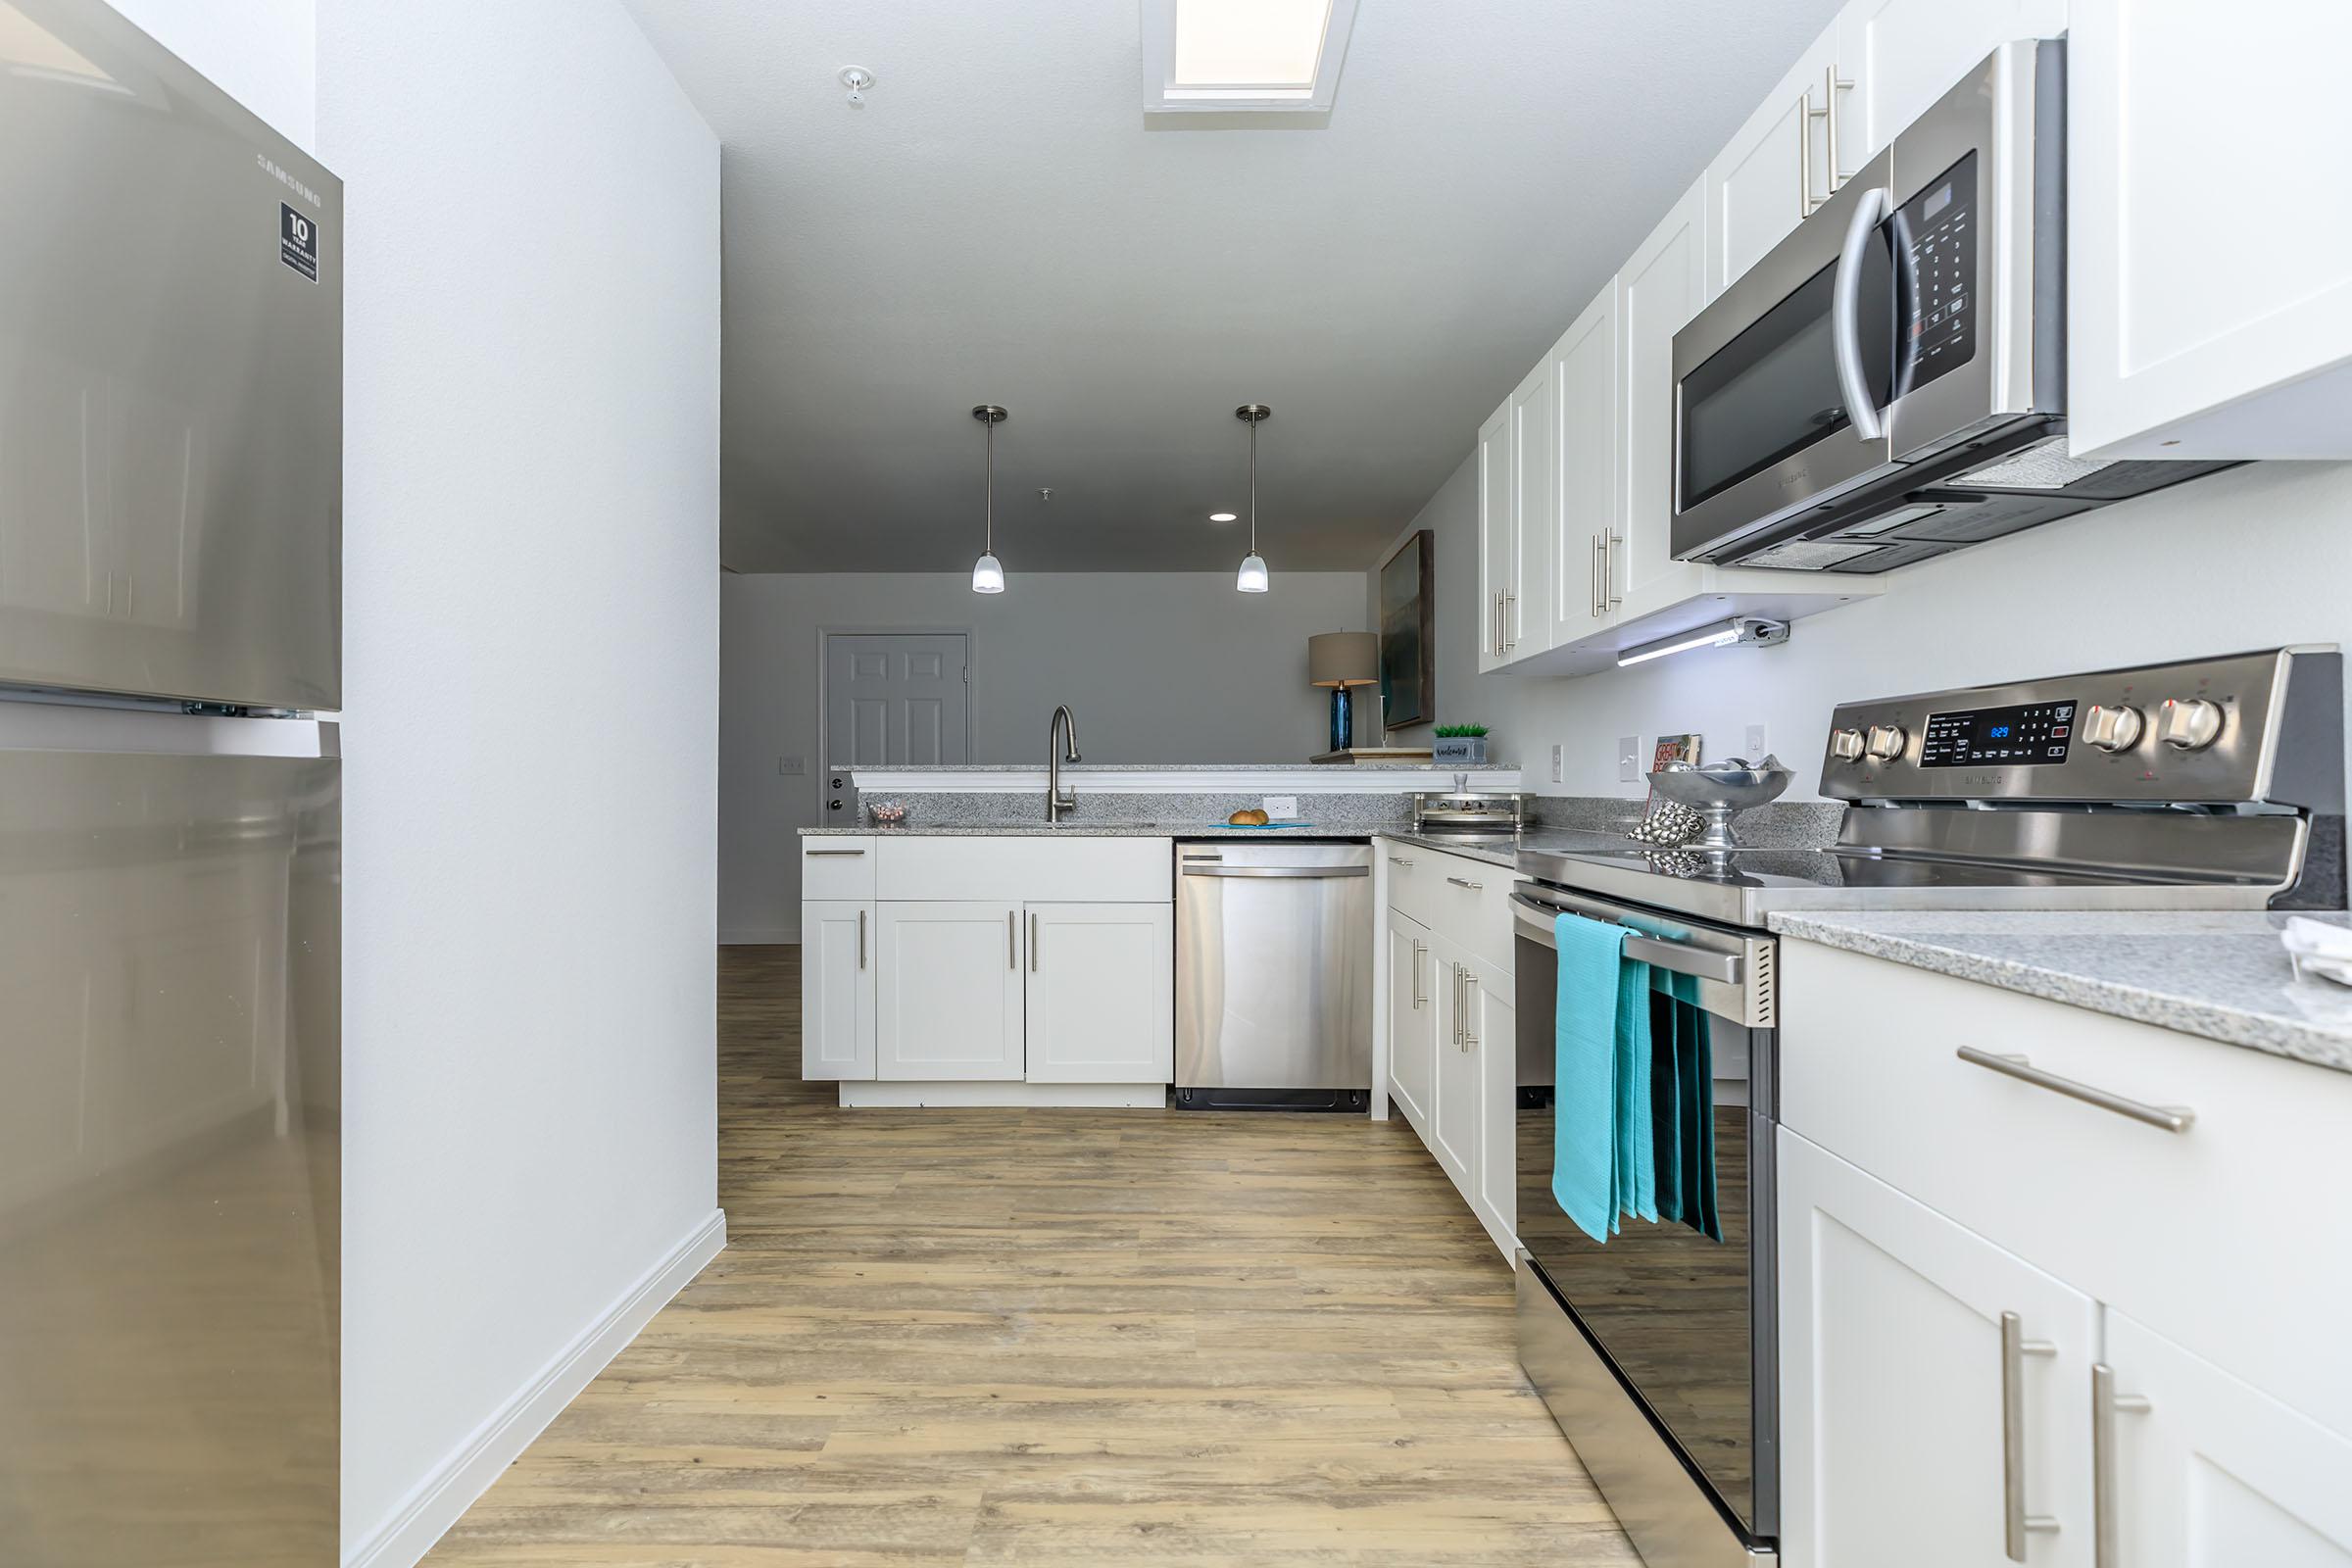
x=1273, y=975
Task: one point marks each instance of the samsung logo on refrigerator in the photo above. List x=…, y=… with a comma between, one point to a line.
x=263, y=162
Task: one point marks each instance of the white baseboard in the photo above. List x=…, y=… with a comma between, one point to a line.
x=437, y=1502
x=1095, y=1097
x=759, y=936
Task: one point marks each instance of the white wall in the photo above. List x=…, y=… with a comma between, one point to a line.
x=1158, y=667
x=531, y=640
x=2253, y=558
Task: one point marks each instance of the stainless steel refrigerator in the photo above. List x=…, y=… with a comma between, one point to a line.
x=171, y=425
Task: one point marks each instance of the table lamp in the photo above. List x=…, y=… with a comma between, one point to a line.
x=1340, y=660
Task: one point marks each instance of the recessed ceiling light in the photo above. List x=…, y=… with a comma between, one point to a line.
x=1224, y=516
x=1244, y=56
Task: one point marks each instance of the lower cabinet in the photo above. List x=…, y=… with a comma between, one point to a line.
x=1101, y=983
x=1413, y=1019
x=837, y=989
x=2205, y=1471
x=1935, y=1388
x=951, y=992
x=1452, y=1036
x=957, y=991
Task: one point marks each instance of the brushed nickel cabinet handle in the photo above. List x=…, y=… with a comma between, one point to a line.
x=1032, y=942
x=2015, y=1523
x=1592, y=569
x=1469, y=990
x=2105, y=1404
x=1475, y=887
x=1830, y=84
x=2172, y=1118
x=861, y=939
x=1398, y=859
x=1420, y=1000
x=1510, y=606
x=1804, y=156
x=1610, y=598
x=814, y=853
x=1012, y=939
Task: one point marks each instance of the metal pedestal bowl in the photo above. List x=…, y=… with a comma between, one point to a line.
x=1718, y=792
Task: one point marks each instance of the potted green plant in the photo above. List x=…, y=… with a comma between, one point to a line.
x=1460, y=744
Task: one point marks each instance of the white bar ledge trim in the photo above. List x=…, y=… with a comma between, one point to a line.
x=1307, y=780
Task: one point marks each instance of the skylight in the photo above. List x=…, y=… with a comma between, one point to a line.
x=1279, y=58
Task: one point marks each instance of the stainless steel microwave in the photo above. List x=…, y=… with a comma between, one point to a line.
x=1890, y=382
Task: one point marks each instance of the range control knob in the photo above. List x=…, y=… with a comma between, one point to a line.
x=2189, y=724
x=1846, y=744
x=1885, y=742
x=2111, y=729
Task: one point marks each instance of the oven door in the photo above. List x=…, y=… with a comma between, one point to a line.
x=1768, y=378
x=1685, y=1323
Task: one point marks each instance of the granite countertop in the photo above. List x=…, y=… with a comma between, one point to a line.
x=1041, y=828
x=2221, y=974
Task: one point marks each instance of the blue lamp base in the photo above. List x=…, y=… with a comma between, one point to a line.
x=1343, y=720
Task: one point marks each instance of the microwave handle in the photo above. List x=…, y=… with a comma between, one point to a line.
x=1845, y=314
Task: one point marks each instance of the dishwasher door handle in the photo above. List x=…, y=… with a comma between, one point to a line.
x=1304, y=872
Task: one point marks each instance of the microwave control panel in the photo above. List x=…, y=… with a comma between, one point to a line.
x=1936, y=248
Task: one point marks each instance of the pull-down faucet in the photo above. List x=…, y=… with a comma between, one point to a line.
x=1057, y=801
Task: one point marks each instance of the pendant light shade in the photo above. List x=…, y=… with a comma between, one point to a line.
x=988, y=572
x=1252, y=578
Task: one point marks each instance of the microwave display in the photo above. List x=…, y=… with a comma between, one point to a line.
x=2029, y=736
x=1936, y=239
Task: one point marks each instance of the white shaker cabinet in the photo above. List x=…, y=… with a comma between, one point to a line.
x=1491, y=1025
x=951, y=992
x=1774, y=171
x=1933, y=1387
x=1453, y=1117
x=1497, y=532
x=1102, y=1000
x=1413, y=1019
x=2204, y=1471
x=1896, y=56
x=1657, y=292
x=2209, y=263
x=1582, y=370
x=837, y=989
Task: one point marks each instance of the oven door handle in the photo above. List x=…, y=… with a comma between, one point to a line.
x=1534, y=923
x=1845, y=314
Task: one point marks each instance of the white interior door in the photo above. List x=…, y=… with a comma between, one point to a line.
x=1102, y=993
x=894, y=700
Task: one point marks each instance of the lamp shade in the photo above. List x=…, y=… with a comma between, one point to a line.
x=1342, y=659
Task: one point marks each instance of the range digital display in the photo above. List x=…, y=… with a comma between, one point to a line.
x=2031, y=736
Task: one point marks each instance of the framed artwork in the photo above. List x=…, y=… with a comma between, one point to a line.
x=1408, y=649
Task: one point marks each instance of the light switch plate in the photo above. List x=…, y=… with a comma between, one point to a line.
x=1755, y=743
x=1282, y=807
x=1559, y=765
x=792, y=766
x=1628, y=760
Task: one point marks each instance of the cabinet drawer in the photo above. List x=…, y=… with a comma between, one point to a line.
x=837, y=867
x=1032, y=870
x=1466, y=901
x=2225, y=1237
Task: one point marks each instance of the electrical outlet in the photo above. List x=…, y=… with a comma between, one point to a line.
x=1559, y=765
x=1282, y=807
x=1628, y=760
x=1755, y=743
x=792, y=766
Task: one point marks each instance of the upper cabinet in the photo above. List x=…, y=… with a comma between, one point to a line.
x=1497, y=533
x=1774, y=172
x=1581, y=372
x=2209, y=284
x=1896, y=56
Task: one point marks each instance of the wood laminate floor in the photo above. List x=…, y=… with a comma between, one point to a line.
x=1053, y=1337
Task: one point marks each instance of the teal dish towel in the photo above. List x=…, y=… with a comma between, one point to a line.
x=1681, y=1099
x=1603, y=1162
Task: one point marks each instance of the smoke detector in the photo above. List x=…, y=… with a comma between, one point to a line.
x=857, y=78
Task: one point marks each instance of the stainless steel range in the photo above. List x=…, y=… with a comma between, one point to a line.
x=2216, y=784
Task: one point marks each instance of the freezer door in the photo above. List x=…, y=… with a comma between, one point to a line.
x=171, y=377
x=169, y=1093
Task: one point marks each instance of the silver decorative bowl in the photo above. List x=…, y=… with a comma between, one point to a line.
x=1719, y=791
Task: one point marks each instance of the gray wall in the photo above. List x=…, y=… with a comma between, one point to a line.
x=1158, y=666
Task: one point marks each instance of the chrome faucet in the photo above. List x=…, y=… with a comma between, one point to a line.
x=1057, y=801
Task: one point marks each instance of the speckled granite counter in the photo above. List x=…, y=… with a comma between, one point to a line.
x=2221, y=975
x=1088, y=830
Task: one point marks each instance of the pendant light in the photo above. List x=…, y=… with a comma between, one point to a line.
x=988, y=572
x=1252, y=576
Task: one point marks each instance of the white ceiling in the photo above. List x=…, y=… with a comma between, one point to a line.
x=996, y=223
